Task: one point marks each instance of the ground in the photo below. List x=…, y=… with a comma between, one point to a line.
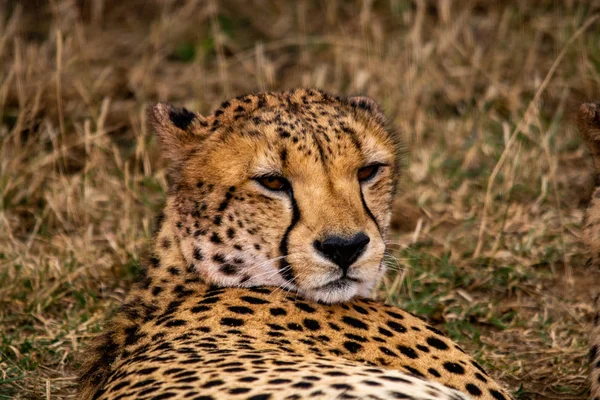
x=482, y=92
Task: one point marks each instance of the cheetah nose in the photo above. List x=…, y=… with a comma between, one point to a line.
x=343, y=251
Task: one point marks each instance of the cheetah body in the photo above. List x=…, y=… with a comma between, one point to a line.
x=236, y=303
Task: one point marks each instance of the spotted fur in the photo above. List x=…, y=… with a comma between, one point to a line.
x=237, y=302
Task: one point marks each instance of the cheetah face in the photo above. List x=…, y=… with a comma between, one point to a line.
x=293, y=193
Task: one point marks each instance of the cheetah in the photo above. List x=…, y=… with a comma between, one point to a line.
x=260, y=275
x=588, y=122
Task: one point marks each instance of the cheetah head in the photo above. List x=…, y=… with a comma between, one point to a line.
x=288, y=189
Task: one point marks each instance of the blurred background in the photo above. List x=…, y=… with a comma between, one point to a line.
x=487, y=235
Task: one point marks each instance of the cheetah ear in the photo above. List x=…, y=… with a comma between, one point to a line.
x=178, y=128
x=367, y=104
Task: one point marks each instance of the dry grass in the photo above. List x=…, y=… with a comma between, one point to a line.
x=468, y=85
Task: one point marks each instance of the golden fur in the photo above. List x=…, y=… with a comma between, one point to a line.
x=236, y=301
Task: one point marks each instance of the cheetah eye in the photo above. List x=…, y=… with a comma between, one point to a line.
x=368, y=172
x=273, y=183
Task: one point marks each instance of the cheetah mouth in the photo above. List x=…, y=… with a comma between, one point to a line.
x=339, y=284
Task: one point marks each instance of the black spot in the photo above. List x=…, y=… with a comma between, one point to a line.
x=228, y=269
x=213, y=383
x=284, y=134
x=181, y=291
x=304, y=307
x=197, y=309
x=264, y=396
x=341, y=386
x=329, y=373
x=352, y=347
x=220, y=258
x=181, y=117
x=253, y=300
x=334, y=327
x=217, y=220
x=277, y=311
x=155, y=261
x=387, y=351
x=360, y=309
x=198, y=254
x=132, y=335
x=283, y=155
x=239, y=390
x=278, y=381
x=432, y=329
x=497, y=395
x=311, y=324
x=120, y=386
x=156, y=290
x=232, y=322
x=437, y=343
x=209, y=300
x=473, y=389
x=248, y=378
x=175, y=322
x=434, y=372
x=408, y=352
x=424, y=349
x=225, y=203
x=174, y=270
x=302, y=385
x=358, y=338
x=479, y=367
x=480, y=377
x=453, y=367
x=276, y=327
x=385, y=332
x=355, y=323
x=146, y=371
x=396, y=326
x=261, y=290
x=215, y=238
x=230, y=233
x=394, y=315
x=166, y=243
x=414, y=371
x=240, y=310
